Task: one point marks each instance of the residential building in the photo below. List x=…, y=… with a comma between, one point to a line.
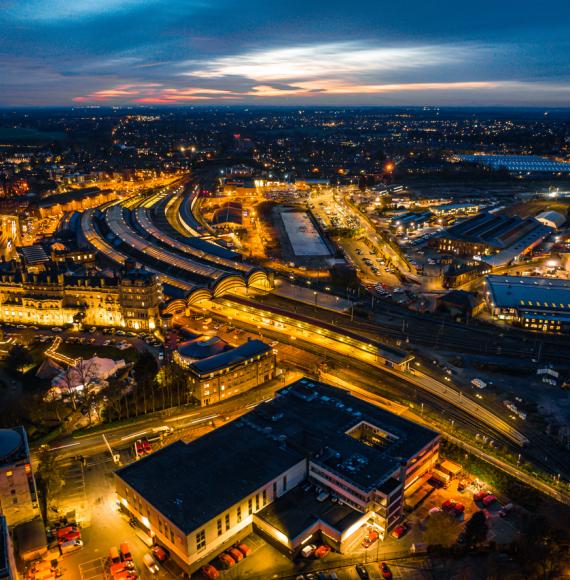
x=18, y=494
x=259, y=472
x=221, y=371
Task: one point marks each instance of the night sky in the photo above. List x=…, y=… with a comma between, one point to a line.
x=297, y=52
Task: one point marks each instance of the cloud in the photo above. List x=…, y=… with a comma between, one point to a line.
x=57, y=10
x=322, y=60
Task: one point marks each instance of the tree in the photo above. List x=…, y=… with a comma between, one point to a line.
x=18, y=357
x=47, y=476
x=145, y=371
x=441, y=530
x=79, y=382
x=476, y=529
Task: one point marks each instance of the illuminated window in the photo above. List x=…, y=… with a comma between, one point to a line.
x=9, y=473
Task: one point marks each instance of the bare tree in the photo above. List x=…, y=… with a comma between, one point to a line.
x=79, y=382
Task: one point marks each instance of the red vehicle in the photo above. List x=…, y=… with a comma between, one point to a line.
x=68, y=533
x=458, y=508
x=210, y=571
x=143, y=447
x=235, y=554
x=400, y=531
x=244, y=549
x=370, y=538
x=480, y=495
x=448, y=505
x=386, y=572
x=226, y=561
x=487, y=501
x=126, y=555
x=159, y=553
x=321, y=551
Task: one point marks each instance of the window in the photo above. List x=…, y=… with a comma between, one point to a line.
x=256, y=502
x=250, y=506
x=284, y=483
x=264, y=497
x=201, y=540
x=219, y=527
x=227, y=522
x=239, y=514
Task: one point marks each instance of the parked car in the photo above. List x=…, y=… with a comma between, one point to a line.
x=489, y=499
x=370, y=538
x=235, y=554
x=126, y=552
x=114, y=555
x=400, y=531
x=244, y=549
x=160, y=553
x=226, y=561
x=322, y=551
x=480, y=495
x=150, y=563
x=210, y=571
x=386, y=572
x=308, y=550
x=362, y=571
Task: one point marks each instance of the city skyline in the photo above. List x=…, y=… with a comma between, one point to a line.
x=192, y=53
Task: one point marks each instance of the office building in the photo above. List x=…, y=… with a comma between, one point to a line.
x=18, y=494
x=541, y=304
x=218, y=371
x=259, y=473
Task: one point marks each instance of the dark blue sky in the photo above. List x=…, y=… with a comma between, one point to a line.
x=421, y=52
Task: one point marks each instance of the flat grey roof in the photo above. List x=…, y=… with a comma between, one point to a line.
x=297, y=511
x=192, y=483
x=526, y=292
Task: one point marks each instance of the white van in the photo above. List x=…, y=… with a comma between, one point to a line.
x=150, y=563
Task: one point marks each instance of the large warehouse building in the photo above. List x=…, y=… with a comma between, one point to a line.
x=499, y=239
x=541, y=304
x=254, y=474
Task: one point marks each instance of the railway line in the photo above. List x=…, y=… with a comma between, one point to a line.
x=146, y=229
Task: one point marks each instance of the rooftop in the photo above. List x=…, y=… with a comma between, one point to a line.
x=202, y=347
x=297, y=510
x=231, y=357
x=13, y=445
x=525, y=292
x=192, y=483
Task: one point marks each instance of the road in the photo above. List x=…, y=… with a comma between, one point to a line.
x=394, y=324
